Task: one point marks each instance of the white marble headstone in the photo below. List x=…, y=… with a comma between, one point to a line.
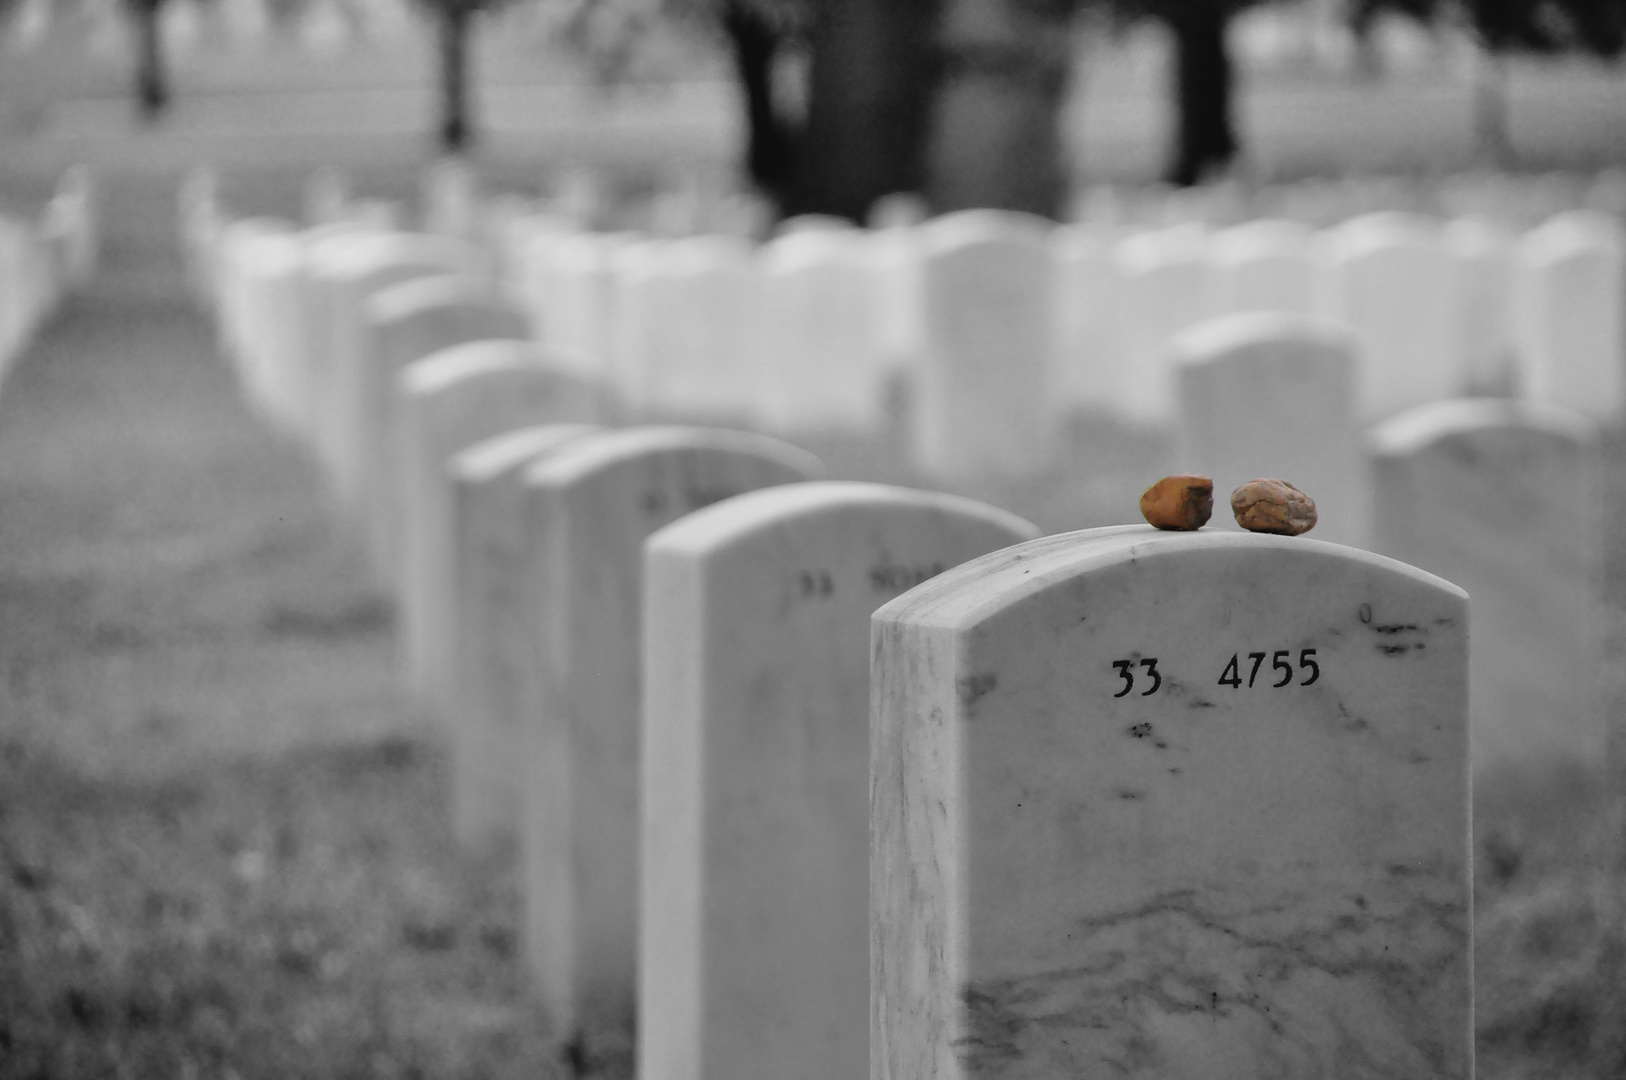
x=407, y=322
x=1482, y=250
x=594, y=503
x=1505, y=499
x=1263, y=265
x=1391, y=278
x=754, y=951
x=982, y=405
x=447, y=402
x=1570, y=314
x=495, y=635
x=347, y=274
x=819, y=365
x=1266, y=394
x=1171, y=806
x=1163, y=289
x=1087, y=370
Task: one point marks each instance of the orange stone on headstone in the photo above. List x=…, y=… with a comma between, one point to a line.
x=1180, y=503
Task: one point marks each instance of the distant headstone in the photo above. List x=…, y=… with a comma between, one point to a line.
x=326, y=196
x=348, y=277
x=1087, y=367
x=1263, y=265
x=451, y=200
x=407, y=322
x=819, y=365
x=1483, y=252
x=715, y=348
x=595, y=501
x=1269, y=395
x=1163, y=290
x=1391, y=278
x=495, y=629
x=447, y=402
x=981, y=405
x=754, y=952
x=1569, y=303
x=1171, y=806
x=1505, y=499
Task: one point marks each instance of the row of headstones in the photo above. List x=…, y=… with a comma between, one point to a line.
x=809, y=331
x=766, y=741
x=814, y=328
x=1258, y=394
x=526, y=585
x=44, y=253
x=106, y=28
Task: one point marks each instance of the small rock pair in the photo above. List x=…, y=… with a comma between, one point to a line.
x=1185, y=503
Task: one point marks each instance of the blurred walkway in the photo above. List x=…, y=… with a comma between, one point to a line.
x=168, y=574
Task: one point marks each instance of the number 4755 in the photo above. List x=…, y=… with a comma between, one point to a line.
x=1232, y=676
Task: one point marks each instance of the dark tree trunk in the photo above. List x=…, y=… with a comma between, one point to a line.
x=456, y=130
x=152, y=78
x=770, y=152
x=996, y=136
x=1205, y=141
x=872, y=79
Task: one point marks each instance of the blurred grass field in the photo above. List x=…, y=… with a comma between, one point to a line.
x=223, y=848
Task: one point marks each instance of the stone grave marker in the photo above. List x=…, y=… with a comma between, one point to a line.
x=1483, y=252
x=715, y=331
x=1087, y=370
x=407, y=322
x=1267, y=394
x=494, y=631
x=594, y=502
x=1570, y=315
x=1172, y=806
x=268, y=273
x=1163, y=289
x=1391, y=278
x=451, y=200
x=819, y=365
x=1262, y=265
x=754, y=948
x=345, y=271
x=447, y=402
x=981, y=402
x=1505, y=499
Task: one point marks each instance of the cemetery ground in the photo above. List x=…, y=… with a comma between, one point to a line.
x=224, y=846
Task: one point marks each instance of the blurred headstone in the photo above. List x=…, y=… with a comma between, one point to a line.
x=754, y=951
x=1504, y=498
x=595, y=501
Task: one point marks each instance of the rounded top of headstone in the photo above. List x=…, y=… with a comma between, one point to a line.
x=1278, y=237
x=408, y=298
x=594, y=453
x=1425, y=425
x=354, y=256
x=1282, y=333
x=792, y=252
x=711, y=254
x=505, y=453
x=1153, y=249
x=969, y=594
x=1574, y=230
x=737, y=519
x=1381, y=229
x=241, y=229
x=963, y=228
x=476, y=359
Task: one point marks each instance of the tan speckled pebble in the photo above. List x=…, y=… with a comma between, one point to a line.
x=1273, y=506
x=1180, y=503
